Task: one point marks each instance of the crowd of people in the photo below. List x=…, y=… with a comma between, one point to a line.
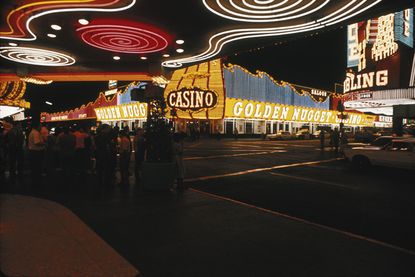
x=77, y=151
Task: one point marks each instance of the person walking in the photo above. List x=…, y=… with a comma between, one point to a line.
x=125, y=153
x=178, y=160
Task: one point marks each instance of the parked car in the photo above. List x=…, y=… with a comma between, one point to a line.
x=280, y=135
x=303, y=134
x=399, y=153
x=317, y=133
x=377, y=143
x=364, y=136
x=383, y=133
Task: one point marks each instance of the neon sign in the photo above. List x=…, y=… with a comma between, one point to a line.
x=366, y=80
x=236, y=108
x=192, y=99
x=271, y=11
x=19, y=19
x=376, y=49
x=35, y=56
x=123, y=36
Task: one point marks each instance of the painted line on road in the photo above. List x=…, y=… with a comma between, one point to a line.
x=194, y=145
x=249, y=171
x=236, y=150
x=311, y=180
x=233, y=155
x=324, y=227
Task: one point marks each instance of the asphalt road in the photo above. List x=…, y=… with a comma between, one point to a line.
x=255, y=208
x=297, y=179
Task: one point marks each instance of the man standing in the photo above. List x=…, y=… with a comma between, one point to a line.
x=322, y=137
x=36, y=147
x=14, y=141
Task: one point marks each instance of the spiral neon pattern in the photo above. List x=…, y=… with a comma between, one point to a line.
x=333, y=13
x=123, y=38
x=36, y=56
x=19, y=19
x=264, y=10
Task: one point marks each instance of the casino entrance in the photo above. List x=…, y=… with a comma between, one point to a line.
x=196, y=128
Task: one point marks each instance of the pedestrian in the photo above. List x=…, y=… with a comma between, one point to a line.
x=322, y=138
x=36, y=148
x=235, y=133
x=80, y=150
x=102, y=154
x=139, y=147
x=67, y=142
x=2, y=153
x=14, y=143
x=112, y=161
x=125, y=153
x=178, y=160
x=335, y=139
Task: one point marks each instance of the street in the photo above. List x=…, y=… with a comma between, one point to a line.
x=296, y=179
x=254, y=208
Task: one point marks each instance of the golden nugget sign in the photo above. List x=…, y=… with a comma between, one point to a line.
x=260, y=110
x=121, y=112
x=192, y=99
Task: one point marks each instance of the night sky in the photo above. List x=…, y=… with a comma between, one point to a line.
x=316, y=61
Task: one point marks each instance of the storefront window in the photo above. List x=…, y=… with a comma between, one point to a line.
x=249, y=127
x=229, y=127
x=269, y=128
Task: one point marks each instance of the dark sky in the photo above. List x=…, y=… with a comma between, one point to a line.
x=317, y=61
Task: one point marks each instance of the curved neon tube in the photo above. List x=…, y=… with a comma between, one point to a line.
x=34, y=37
x=217, y=41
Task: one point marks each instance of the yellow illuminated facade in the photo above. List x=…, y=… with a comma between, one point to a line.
x=243, y=109
x=204, y=77
x=130, y=111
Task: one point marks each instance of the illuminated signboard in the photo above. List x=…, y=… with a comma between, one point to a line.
x=197, y=92
x=112, y=84
x=192, y=99
x=122, y=112
x=377, y=50
x=236, y=108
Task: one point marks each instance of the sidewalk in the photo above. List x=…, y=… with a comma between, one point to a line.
x=42, y=238
x=194, y=234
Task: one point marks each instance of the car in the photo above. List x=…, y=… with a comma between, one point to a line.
x=383, y=133
x=399, y=153
x=280, y=135
x=364, y=136
x=377, y=143
x=303, y=134
x=317, y=133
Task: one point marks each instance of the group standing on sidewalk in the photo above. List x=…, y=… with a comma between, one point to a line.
x=71, y=153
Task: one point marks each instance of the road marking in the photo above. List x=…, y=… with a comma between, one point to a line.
x=297, y=219
x=235, y=150
x=194, y=145
x=312, y=180
x=249, y=171
x=233, y=155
